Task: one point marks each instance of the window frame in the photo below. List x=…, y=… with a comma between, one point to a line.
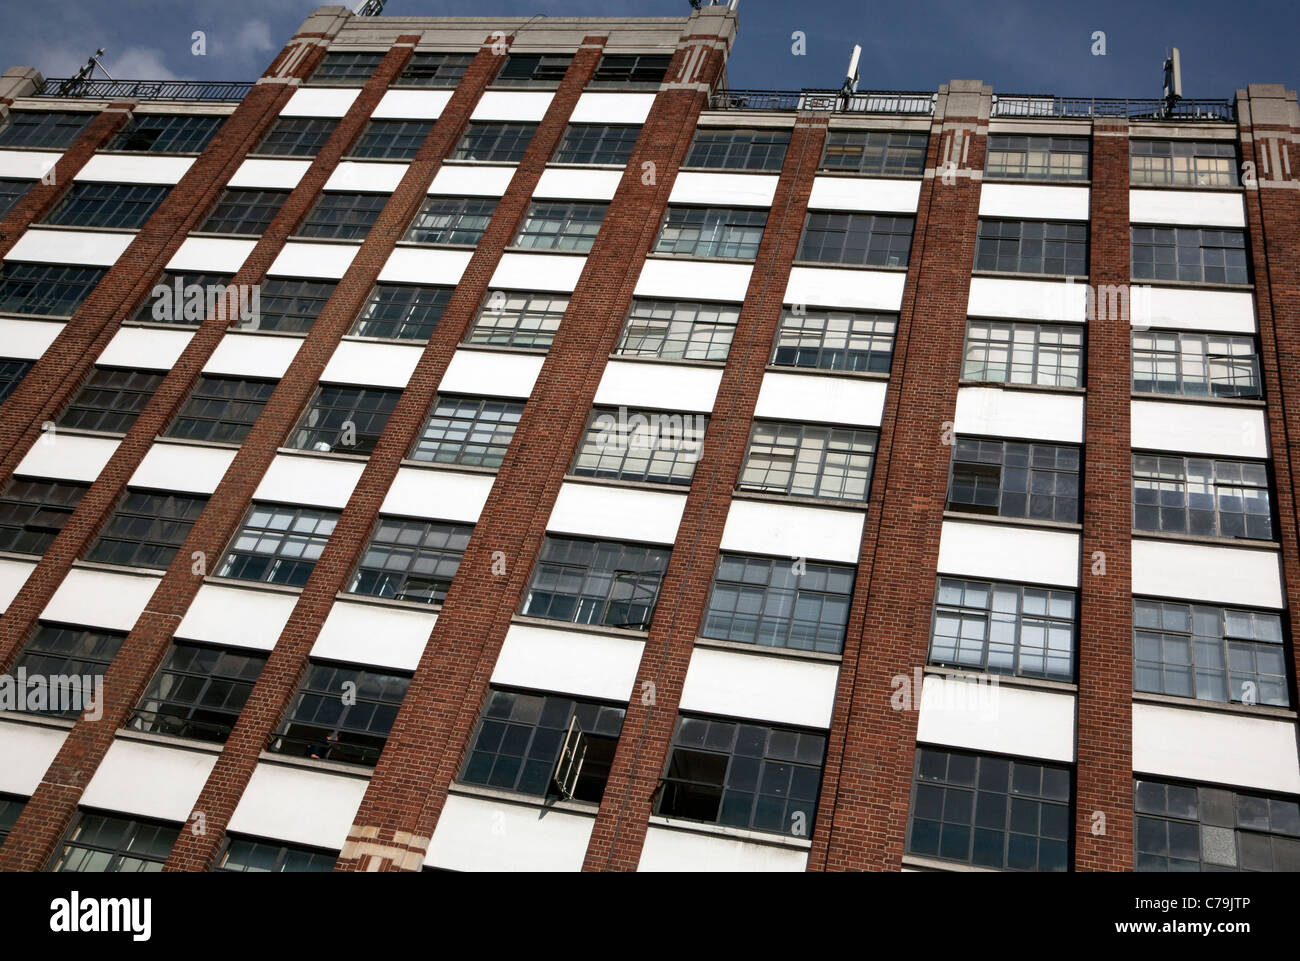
x=585, y=143
x=910, y=165
x=508, y=408
x=128, y=392
x=410, y=537
x=1039, y=262
x=827, y=235
x=295, y=137
x=92, y=205
x=1031, y=471
x=846, y=358
x=29, y=524
x=150, y=526
x=179, y=133
x=386, y=138
x=1159, y=476
x=354, y=744
x=1176, y=361
x=209, y=422
x=561, y=226
x=511, y=313
x=119, y=854
x=466, y=220
x=1156, y=238
x=1040, y=374
x=503, y=142
x=642, y=315
x=564, y=568
x=439, y=296
x=663, y=464
x=833, y=459
x=743, y=145
x=240, y=208
x=214, y=679
x=713, y=230
x=1049, y=145
x=237, y=562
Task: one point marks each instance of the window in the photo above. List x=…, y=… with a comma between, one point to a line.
x=517, y=318
x=45, y=288
x=1210, y=653
x=347, y=419
x=147, y=529
x=392, y=139
x=111, y=399
x=290, y=305
x=12, y=191
x=1002, y=628
x=1032, y=247
x=12, y=373
x=343, y=216
x=1195, y=365
x=637, y=445
x=809, y=460
x=98, y=842
x=678, y=330
x=51, y=129
x=411, y=560
x=296, y=137
x=124, y=206
x=596, y=582
x=498, y=142
x=402, y=312
x=992, y=812
x=451, y=220
x=1184, y=163
x=857, y=239
x=836, y=340
x=619, y=69
x=166, y=133
x=278, y=544
x=248, y=856
x=1197, y=495
x=1015, y=479
x=711, y=232
x=1022, y=157
x=346, y=68
x=243, y=211
x=1197, y=827
x=1003, y=352
x=534, y=68
x=1190, y=253
x=434, y=69
x=474, y=431
x=221, y=409
x=561, y=226
x=776, y=603
x=598, y=143
x=738, y=149
x=69, y=653
x=743, y=775
x=876, y=152
x=184, y=298
x=32, y=512
x=520, y=737
x=324, y=723
x=10, y=807
x=198, y=692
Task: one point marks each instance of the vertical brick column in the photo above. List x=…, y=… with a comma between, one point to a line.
x=862, y=814
x=1104, y=779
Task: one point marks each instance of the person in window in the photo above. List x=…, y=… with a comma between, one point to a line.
x=321, y=747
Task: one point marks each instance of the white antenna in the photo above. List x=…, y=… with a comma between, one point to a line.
x=369, y=8
x=850, y=86
x=1173, y=81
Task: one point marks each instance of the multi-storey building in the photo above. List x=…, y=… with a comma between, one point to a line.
x=590, y=463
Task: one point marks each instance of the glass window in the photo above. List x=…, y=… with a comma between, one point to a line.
x=296, y=137
x=728, y=148
x=1190, y=253
x=1003, y=628
x=111, y=399
x=341, y=713
x=198, y=692
x=1032, y=247
x=497, y=142
x=451, y=220
x=147, y=529
x=1006, y=352
x=598, y=143
x=835, y=340
x=779, y=603
x=411, y=560
x=809, y=460
x=712, y=232
x=857, y=239
x=1195, y=365
x=33, y=512
x=392, y=139
x=596, y=582
x=99, y=842
x=402, y=312
x=534, y=68
x=1197, y=495
x=278, y=544
x=244, y=211
x=876, y=152
x=1015, y=479
x=70, y=653
x=561, y=226
x=221, y=409
x=12, y=191
x=12, y=373
x=519, y=318
x=52, y=129
x=1197, y=827
x=343, y=418
x=45, y=289
x=185, y=299
x=249, y=856
x=343, y=216
x=636, y=445
x=434, y=69
x=119, y=206
x=621, y=69
x=678, y=330
x=11, y=806
x=166, y=133
x=290, y=305
x=346, y=68
x=1184, y=163
x=1034, y=157
x=468, y=430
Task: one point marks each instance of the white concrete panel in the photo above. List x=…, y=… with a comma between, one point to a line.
x=865, y=193
x=326, y=261
x=27, y=164
x=658, y=386
x=182, y=467
x=423, y=265
x=412, y=105
x=792, y=530
x=568, y=184
x=132, y=169
x=375, y=178
x=67, y=456
x=1177, y=308
x=298, y=805
x=1034, y=201
x=218, y=255
x=27, y=750
x=149, y=780
x=269, y=174
x=617, y=513
x=1207, y=572
x=852, y=289
x=372, y=364
x=146, y=348
x=519, y=106
x=437, y=494
x=82, y=247
x=821, y=399
x=666, y=849
x=480, y=834
x=1035, y=415
x=27, y=339
x=100, y=599
x=1199, y=429
x=689, y=279
x=612, y=108
x=251, y=355
x=13, y=575
x=569, y=662
x=316, y=481
x=537, y=272
x=470, y=180
x=725, y=190
x=237, y=616
x=1006, y=553
x=1028, y=299
x=387, y=637
x=761, y=687
x=1193, y=208
x=1216, y=747
x=983, y=715
x=320, y=102
x=491, y=373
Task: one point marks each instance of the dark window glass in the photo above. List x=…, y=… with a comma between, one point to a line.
x=125, y=206
x=12, y=373
x=341, y=713
x=637, y=445
x=1197, y=495
x=185, y=298
x=809, y=460
x=166, y=133
x=221, y=409
x=43, y=128
x=1195, y=365
x=731, y=149
x=1015, y=479
x=836, y=340
x=45, y=288
x=147, y=529
x=290, y=305
x=343, y=216
x=712, y=232
x=12, y=191
x=598, y=143
x=1004, y=628
x=296, y=137
x=244, y=211
x=198, y=692
x=10, y=807
x=561, y=226
x=778, y=603
x=101, y=843
x=248, y=856
x=619, y=69
x=70, y=653
x=434, y=69
x=517, y=318
x=857, y=239
x=678, y=330
x=1034, y=157
x=1004, y=352
x=392, y=139
x=1032, y=247
x=596, y=582
x=346, y=68
x=1206, y=255
x=1197, y=827
x=347, y=419
x=32, y=512
x=468, y=430
x=527, y=68
x=451, y=220
x=111, y=399
x=876, y=152
x=499, y=142
x=411, y=560
x=1184, y=163
x=278, y=544
x=402, y=312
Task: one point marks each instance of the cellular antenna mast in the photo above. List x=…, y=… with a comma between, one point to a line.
x=850, y=86
x=72, y=84
x=369, y=8
x=1173, y=83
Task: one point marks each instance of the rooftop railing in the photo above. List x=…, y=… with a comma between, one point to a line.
x=911, y=102
x=205, y=90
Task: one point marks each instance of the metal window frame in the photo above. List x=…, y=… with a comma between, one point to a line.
x=1037, y=368
x=41, y=653
x=456, y=211
x=351, y=738
x=155, y=719
x=55, y=129
x=494, y=141
x=404, y=328
x=172, y=132
x=459, y=403
x=645, y=580
x=338, y=215
x=1032, y=445
x=870, y=318
x=542, y=71
x=12, y=372
x=329, y=401
x=804, y=431
x=715, y=229
x=1038, y=265
x=12, y=190
x=641, y=312
x=1143, y=174
x=127, y=399
x=343, y=67
x=290, y=304
x=1048, y=144
x=418, y=551
x=117, y=854
x=740, y=146
x=877, y=225
x=283, y=851
x=1182, y=479
x=655, y=456
x=207, y=390
x=570, y=219
x=295, y=137
x=389, y=139
x=234, y=558
x=167, y=516
x=416, y=73
x=1140, y=271
x=883, y=139
x=243, y=210
x=640, y=68
x=584, y=143
x=111, y=206
x=1178, y=357
x=43, y=501
x=509, y=320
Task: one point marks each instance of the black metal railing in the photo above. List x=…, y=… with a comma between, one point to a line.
x=1044, y=105
x=206, y=90
x=864, y=101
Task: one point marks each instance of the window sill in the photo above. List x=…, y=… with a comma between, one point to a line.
x=85, y=432
x=731, y=170
x=403, y=161
x=827, y=372
x=676, y=361
x=338, y=455
x=125, y=569
x=361, y=771
x=1003, y=680
x=543, y=804
x=734, y=834
x=1012, y=521
x=1242, y=542
x=1190, y=284
x=663, y=255
x=171, y=741
x=335, y=241
x=1208, y=188
x=682, y=489
x=239, y=582
x=37, y=720
x=162, y=325
x=155, y=153
x=214, y=235
x=504, y=349
x=826, y=265
x=457, y=468
x=467, y=162
x=1037, y=181
x=1040, y=388
x=740, y=647
x=389, y=602
x=1016, y=275
x=1253, y=402
x=424, y=245
x=512, y=249
x=955, y=867
x=860, y=175
x=28, y=558
x=399, y=341
x=87, y=228
x=834, y=503
x=186, y=442
x=526, y=85
x=39, y=318
x=259, y=332
x=1216, y=707
x=279, y=156
x=623, y=633
x=559, y=165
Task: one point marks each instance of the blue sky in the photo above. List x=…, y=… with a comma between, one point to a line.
x=1019, y=46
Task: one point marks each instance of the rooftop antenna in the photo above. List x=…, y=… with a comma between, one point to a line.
x=369, y=8
x=72, y=84
x=1173, y=83
x=850, y=86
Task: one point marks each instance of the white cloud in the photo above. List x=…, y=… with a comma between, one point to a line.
x=254, y=38
x=138, y=63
